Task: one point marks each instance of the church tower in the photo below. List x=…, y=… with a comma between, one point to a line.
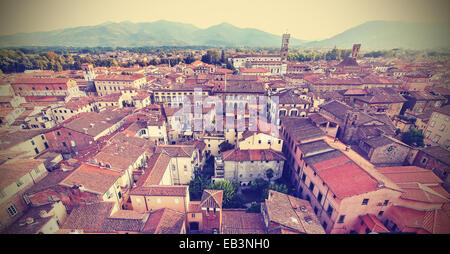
x=355, y=51
x=284, y=47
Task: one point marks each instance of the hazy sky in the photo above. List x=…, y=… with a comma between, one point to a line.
x=304, y=19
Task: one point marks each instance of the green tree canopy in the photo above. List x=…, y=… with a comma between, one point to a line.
x=229, y=191
x=413, y=137
x=197, y=185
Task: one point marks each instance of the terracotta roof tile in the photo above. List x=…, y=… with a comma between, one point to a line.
x=212, y=198
x=240, y=222
x=292, y=213
x=373, y=223
x=92, y=178
x=164, y=221
x=253, y=155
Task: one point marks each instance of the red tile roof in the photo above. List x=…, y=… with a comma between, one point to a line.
x=434, y=221
x=241, y=222
x=157, y=165
x=372, y=222
x=164, y=221
x=253, y=155
x=119, y=77
x=92, y=178
x=161, y=190
x=344, y=177
x=254, y=70
x=40, y=81
x=408, y=174
x=212, y=199
x=291, y=213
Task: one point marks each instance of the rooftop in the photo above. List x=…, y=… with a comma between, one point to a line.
x=92, y=178
x=301, y=129
x=253, y=155
x=241, y=222
x=164, y=221
x=292, y=213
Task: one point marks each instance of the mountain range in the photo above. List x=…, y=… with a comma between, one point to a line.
x=373, y=35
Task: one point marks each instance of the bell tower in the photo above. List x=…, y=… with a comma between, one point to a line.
x=355, y=51
x=284, y=47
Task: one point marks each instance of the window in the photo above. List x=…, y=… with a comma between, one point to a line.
x=12, y=210
x=433, y=123
x=442, y=127
x=42, y=136
x=341, y=219
x=436, y=138
x=311, y=187
x=58, y=133
x=70, y=134
x=32, y=142
x=324, y=224
x=319, y=197
x=26, y=199
x=380, y=213
x=303, y=178
x=424, y=160
x=427, y=134
x=365, y=201
x=64, y=144
x=19, y=183
x=329, y=211
x=386, y=202
x=316, y=210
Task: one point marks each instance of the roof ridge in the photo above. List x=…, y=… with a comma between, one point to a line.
x=425, y=188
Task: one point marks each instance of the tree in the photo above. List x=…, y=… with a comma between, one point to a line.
x=255, y=207
x=212, y=56
x=276, y=187
x=229, y=191
x=189, y=59
x=269, y=173
x=413, y=137
x=259, y=185
x=197, y=185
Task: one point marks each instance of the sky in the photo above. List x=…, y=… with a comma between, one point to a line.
x=303, y=19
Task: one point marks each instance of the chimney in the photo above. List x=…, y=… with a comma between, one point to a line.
x=43, y=214
x=29, y=220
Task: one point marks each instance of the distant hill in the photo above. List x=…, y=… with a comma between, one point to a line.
x=159, y=33
x=372, y=35
x=389, y=35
